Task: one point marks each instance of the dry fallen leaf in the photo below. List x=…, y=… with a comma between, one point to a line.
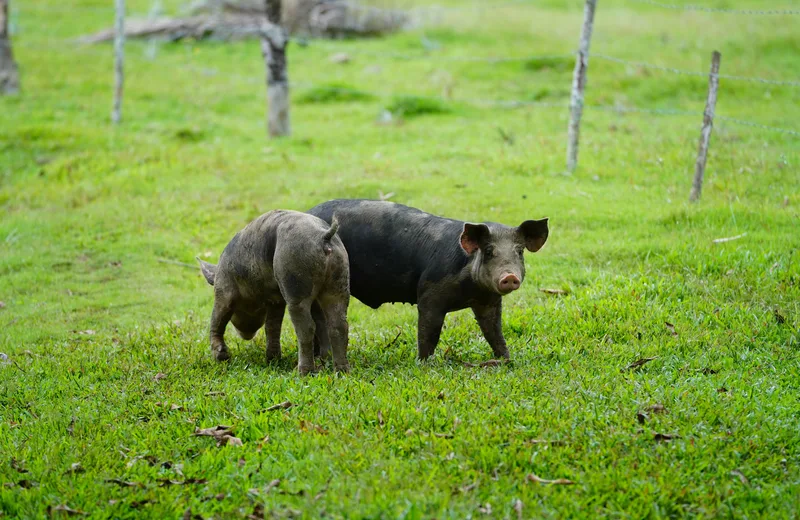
x=88, y=332
x=2, y=305
x=159, y=376
x=722, y=390
x=665, y=436
x=257, y=514
x=742, y=478
x=136, y=504
x=469, y=487
x=230, y=441
x=657, y=408
x=708, y=371
x=61, y=508
x=122, y=483
x=486, y=509
x=443, y=435
x=638, y=363
x=440, y=396
x=671, y=328
x=380, y=418
x=780, y=318
x=215, y=431
x=489, y=363
x=17, y=466
x=261, y=443
x=164, y=482
x=27, y=484
x=74, y=468
x=518, y=508
x=215, y=393
x=557, y=292
x=559, y=481
x=641, y=417
x=280, y=406
x=306, y=426
x=544, y=441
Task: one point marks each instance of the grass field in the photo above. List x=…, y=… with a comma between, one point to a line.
x=106, y=373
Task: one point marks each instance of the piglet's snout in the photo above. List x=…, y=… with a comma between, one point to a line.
x=508, y=283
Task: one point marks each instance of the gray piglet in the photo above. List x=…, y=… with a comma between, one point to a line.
x=282, y=258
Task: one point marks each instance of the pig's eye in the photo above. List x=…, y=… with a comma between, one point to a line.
x=488, y=251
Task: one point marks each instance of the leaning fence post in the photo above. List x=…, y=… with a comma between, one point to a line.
x=273, y=46
x=708, y=124
x=578, y=85
x=119, y=61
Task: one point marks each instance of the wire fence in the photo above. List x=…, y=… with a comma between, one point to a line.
x=701, y=8
x=434, y=56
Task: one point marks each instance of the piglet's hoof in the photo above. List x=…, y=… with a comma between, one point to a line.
x=221, y=354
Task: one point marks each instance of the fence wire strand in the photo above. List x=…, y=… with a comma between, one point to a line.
x=766, y=81
x=702, y=8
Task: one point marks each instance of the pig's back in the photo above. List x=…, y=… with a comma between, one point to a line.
x=391, y=247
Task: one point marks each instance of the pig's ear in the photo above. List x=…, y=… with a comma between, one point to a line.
x=534, y=232
x=473, y=236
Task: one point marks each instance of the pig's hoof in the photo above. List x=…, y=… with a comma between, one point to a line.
x=344, y=369
x=306, y=370
x=222, y=354
x=273, y=356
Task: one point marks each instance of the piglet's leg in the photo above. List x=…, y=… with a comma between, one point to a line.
x=220, y=317
x=304, y=328
x=322, y=342
x=490, y=320
x=272, y=328
x=335, y=308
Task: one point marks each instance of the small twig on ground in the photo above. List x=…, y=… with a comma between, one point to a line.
x=391, y=343
x=728, y=239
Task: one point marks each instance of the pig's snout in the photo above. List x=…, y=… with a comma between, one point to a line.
x=508, y=283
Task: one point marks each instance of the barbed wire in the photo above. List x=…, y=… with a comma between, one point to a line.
x=753, y=124
x=678, y=7
x=507, y=103
x=693, y=72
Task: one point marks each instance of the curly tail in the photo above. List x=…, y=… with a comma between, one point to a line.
x=333, y=229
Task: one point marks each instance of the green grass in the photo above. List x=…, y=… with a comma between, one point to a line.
x=94, y=219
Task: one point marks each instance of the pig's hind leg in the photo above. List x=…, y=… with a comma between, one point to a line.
x=335, y=308
x=272, y=329
x=322, y=341
x=303, y=322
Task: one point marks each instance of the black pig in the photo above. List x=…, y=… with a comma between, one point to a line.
x=282, y=258
x=402, y=254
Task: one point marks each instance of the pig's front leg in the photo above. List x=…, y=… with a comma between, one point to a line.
x=272, y=328
x=490, y=319
x=429, y=328
x=220, y=316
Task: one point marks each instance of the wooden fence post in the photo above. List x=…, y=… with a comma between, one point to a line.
x=578, y=86
x=273, y=47
x=119, y=61
x=9, y=73
x=708, y=124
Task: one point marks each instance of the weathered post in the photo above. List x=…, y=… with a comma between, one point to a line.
x=119, y=61
x=9, y=73
x=578, y=85
x=273, y=47
x=708, y=124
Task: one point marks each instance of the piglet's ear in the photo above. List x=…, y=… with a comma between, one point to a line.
x=473, y=236
x=534, y=232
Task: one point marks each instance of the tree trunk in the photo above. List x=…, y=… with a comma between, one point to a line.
x=273, y=46
x=9, y=74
